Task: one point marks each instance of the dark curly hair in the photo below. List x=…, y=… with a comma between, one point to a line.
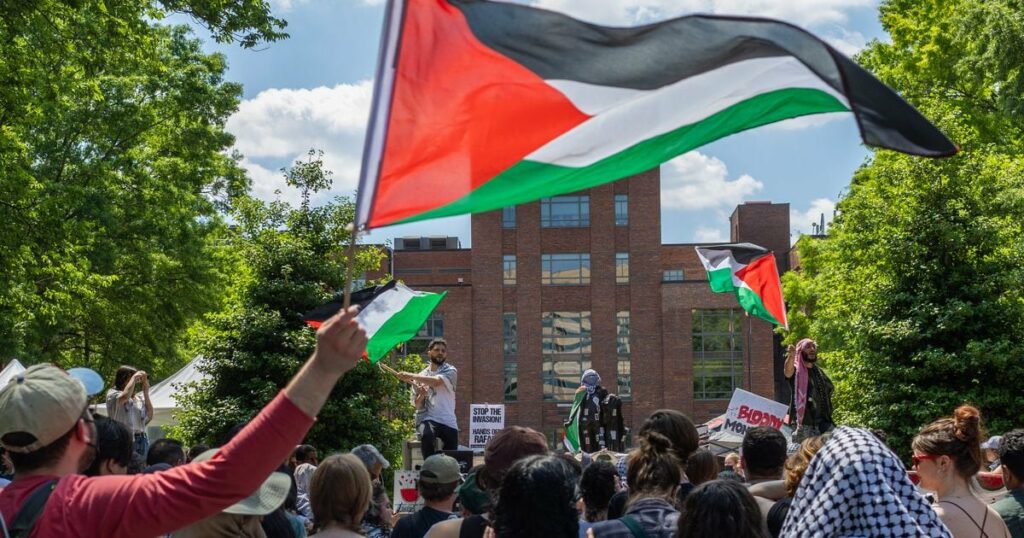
x=537, y=498
x=597, y=485
x=721, y=508
x=677, y=427
x=701, y=467
x=764, y=452
x=1011, y=452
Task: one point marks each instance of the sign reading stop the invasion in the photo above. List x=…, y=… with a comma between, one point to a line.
x=747, y=410
x=485, y=420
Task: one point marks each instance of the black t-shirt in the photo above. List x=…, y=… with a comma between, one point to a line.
x=417, y=524
x=777, y=516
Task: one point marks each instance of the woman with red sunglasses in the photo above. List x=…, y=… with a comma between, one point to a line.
x=947, y=455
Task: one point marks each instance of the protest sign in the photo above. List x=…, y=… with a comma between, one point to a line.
x=747, y=410
x=485, y=420
x=407, y=497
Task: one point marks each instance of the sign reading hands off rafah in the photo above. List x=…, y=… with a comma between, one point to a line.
x=485, y=421
x=747, y=410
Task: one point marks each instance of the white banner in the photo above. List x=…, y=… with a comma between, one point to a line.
x=747, y=410
x=485, y=420
x=407, y=496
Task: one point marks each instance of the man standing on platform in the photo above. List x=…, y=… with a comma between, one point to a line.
x=434, y=396
x=810, y=408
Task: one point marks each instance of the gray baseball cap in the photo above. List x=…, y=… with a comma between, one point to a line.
x=440, y=469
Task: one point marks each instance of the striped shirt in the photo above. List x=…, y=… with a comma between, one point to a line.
x=131, y=413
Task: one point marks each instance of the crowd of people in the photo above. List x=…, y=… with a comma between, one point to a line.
x=79, y=475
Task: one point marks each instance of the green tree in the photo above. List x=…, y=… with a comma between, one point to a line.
x=916, y=296
x=113, y=172
x=291, y=259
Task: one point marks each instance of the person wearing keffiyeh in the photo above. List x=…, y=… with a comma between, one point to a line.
x=810, y=408
x=856, y=487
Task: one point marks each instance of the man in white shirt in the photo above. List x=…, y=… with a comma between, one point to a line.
x=434, y=396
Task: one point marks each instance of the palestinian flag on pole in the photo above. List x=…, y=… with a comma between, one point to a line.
x=390, y=314
x=572, y=426
x=750, y=272
x=480, y=105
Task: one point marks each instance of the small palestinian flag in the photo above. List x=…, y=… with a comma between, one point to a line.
x=480, y=105
x=572, y=426
x=390, y=314
x=749, y=271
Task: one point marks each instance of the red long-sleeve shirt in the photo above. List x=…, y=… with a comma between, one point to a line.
x=155, y=504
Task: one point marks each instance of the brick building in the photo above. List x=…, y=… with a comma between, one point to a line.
x=554, y=287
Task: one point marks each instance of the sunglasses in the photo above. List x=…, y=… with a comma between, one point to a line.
x=916, y=460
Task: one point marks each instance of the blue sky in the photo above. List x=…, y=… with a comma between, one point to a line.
x=313, y=90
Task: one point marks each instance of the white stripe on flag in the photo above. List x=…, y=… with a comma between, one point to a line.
x=635, y=116
x=384, y=307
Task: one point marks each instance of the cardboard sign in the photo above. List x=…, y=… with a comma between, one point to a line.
x=407, y=496
x=747, y=410
x=485, y=420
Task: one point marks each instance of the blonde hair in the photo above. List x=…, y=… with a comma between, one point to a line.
x=340, y=492
x=796, y=464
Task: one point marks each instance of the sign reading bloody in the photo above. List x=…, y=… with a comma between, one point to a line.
x=747, y=410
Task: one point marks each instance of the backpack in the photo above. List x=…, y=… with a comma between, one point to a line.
x=30, y=511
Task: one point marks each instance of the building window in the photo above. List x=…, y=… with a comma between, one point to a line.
x=509, y=271
x=433, y=328
x=672, y=275
x=565, y=350
x=717, y=353
x=565, y=212
x=508, y=217
x=565, y=269
x=509, y=334
x=622, y=347
x=622, y=268
x=511, y=381
x=622, y=210
x=625, y=380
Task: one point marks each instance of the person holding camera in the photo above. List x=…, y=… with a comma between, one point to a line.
x=127, y=406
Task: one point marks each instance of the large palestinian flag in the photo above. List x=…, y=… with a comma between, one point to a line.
x=750, y=272
x=390, y=314
x=480, y=105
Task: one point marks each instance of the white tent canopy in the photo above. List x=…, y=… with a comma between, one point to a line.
x=12, y=369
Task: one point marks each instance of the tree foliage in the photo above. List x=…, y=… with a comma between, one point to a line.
x=113, y=171
x=916, y=296
x=290, y=259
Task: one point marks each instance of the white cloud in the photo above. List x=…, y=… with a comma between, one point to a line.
x=801, y=221
x=848, y=42
x=807, y=122
x=630, y=12
x=707, y=234
x=284, y=6
x=283, y=124
x=696, y=181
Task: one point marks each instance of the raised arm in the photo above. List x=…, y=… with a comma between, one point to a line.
x=428, y=380
x=129, y=388
x=789, y=368
x=159, y=503
x=145, y=397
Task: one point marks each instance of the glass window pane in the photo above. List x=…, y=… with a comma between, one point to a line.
x=621, y=210
x=718, y=358
x=509, y=269
x=622, y=268
x=508, y=217
x=511, y=381
x=625, y=379
x=509, y=334
x=565, y=211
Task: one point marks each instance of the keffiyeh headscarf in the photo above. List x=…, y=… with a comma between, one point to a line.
x=801, y=378
x=590, y=380
x=855, y=486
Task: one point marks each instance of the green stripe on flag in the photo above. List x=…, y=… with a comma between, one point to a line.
x=753, y=305
x=721, y=280
x=403, y=325
x=572, y=431
x=529, y=180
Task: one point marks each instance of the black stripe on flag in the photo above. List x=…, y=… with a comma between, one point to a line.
x=360, y=298
x=741, y=252
x=557, y=47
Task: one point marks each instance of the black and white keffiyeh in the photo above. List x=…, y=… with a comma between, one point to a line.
x=855, y=486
